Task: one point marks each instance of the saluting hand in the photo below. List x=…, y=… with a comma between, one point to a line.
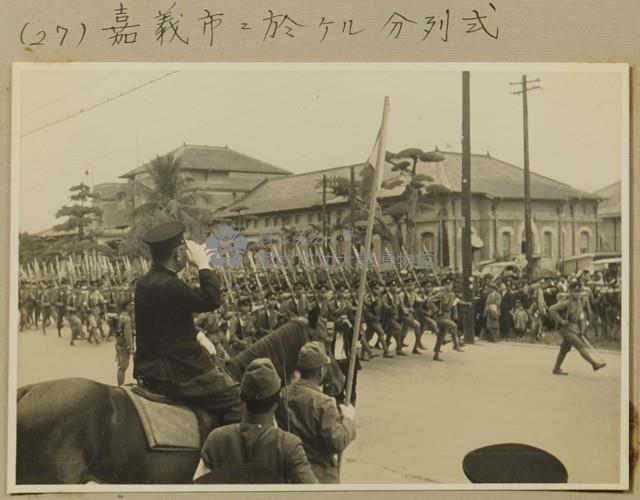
x=198, y=255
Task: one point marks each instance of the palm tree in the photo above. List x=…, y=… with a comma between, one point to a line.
x=167, y=198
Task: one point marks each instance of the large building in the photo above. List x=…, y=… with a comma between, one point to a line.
x=214, y=177
x=610, y=214
x=565, y=220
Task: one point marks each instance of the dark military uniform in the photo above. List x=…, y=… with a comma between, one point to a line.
x=124, y=344
x=169, y=357
x=570, y=314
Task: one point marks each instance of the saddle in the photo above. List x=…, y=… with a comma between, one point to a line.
x=170, y=424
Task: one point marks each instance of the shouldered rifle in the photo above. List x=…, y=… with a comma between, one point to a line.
x=382, y=282
x=308, y=275
x=433, y=270
x=257, y=278
x=366, y=282
x=286, y=278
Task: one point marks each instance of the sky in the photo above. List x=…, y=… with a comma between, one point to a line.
x=303, y=118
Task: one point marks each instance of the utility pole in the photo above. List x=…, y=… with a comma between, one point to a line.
x=467, y=253
x=352, y=211
x=528, y=235
x=324, y=214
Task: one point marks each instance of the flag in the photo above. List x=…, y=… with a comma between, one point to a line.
x=368, y=172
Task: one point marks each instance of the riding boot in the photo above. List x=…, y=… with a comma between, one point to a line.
x=586, y=355
x=557, y=370
x=457, y=346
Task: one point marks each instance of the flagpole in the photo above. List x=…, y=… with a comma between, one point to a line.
x=377, y=177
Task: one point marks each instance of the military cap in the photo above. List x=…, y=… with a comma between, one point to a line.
x=165, y=236
x=312, y=355
x=260, y=380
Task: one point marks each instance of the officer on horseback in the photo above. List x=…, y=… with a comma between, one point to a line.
x=168, y=357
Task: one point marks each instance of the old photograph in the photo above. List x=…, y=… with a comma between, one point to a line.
x=319, y=277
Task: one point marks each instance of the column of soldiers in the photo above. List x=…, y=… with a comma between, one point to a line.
x=395, y=304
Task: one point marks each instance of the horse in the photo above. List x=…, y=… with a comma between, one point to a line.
x=76, y=430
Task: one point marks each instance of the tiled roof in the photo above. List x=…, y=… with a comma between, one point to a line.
x=612, y=198
x=488, y=176
x=215, y=158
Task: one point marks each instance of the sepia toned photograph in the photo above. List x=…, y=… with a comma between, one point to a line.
x=242, y=277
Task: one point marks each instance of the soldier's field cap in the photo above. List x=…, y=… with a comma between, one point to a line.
x=167, y=236
x=312, y=355
x=260, y=380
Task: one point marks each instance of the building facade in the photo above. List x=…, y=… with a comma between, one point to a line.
x=610, y=213
x=214, y=177
x=565, y=220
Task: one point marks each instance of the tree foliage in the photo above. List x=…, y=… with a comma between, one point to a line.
x=167, y=198
x=80, y=215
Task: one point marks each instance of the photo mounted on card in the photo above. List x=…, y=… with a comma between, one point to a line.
x=319, y=277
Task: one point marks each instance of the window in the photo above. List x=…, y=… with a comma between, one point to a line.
x=309, y=218
x=339, y=216
x=286, y=220
x=122, y=201
x=428, y=241
x=547, y=244
x=584, y=242
x=506, y=244
x=296, y=219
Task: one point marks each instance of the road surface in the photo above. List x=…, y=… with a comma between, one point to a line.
x=416, y=418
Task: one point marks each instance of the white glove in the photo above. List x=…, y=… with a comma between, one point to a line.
x=206, y=343
x=348, y=411
x=198, y=255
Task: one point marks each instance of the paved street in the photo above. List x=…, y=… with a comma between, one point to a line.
x=418, y=418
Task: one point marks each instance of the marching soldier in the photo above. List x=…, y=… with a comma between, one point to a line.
x=124, y=341
x=424, y=312
x=570, y=314
x=242, y=329
x=93, y=308
x=73, y=307
x=390, y=316
x=46, y=304
x=373, y=318
x=62, y=297
x=406, y=306
x=447, y=300
x=268, y=318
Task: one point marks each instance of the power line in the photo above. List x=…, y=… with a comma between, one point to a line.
x=94, y=106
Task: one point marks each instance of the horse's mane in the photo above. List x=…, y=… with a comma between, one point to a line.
x=281, y=346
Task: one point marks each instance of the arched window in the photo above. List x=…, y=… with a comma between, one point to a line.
x=122, y=201
x=506, y=243
x=584, y=242
x=547, y=244
x=429, y=241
